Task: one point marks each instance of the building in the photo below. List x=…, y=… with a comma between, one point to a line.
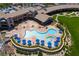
x=9, y=20
x=45, y=19
x=26, y=5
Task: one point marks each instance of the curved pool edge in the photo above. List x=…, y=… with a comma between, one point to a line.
x=40, y=47
x=46, y=31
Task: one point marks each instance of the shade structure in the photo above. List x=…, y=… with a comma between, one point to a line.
x=55, y=43
x=24, y=42
x=49, y=44
x=58, y=39
x=42, y=42
x=37, y=41
x=29, y=42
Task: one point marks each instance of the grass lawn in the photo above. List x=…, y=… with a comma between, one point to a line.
x=73, y=25
x=4, y=5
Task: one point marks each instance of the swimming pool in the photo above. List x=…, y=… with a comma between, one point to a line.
x=47, y=36
x=39, y=35
x=51, y=36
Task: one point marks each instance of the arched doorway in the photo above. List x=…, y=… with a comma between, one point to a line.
x=4, y=24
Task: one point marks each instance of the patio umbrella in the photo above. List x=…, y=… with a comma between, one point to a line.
x=18, y=40
x=24, y=42
x=29, y=42
x=60, y=31
x=49, y=44
x=42, y=42
x=37, y=41
x=55, y=43
x=15, y=35
x=58, y=39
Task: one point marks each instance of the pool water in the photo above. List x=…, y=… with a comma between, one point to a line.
x=39, y=35
x=52, y=31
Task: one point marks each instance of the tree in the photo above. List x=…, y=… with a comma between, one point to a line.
x=40, y=54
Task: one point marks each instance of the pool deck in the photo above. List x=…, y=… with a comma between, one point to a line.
x=31, y=25
x=28, y=25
